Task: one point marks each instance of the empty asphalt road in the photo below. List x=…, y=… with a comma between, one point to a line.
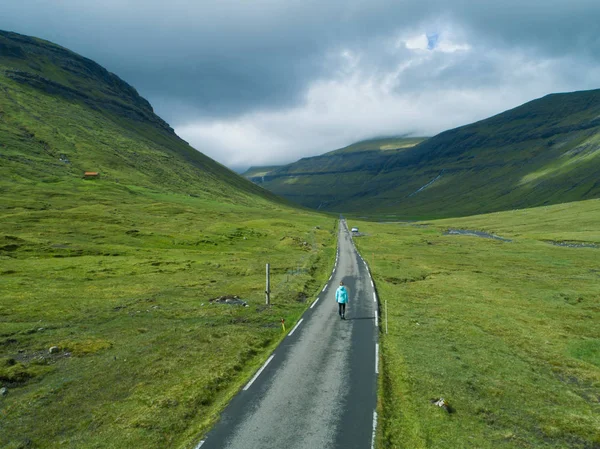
x=318, y=388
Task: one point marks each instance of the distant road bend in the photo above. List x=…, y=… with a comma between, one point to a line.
x=318, y=389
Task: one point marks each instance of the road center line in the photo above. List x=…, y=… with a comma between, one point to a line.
x=249, y=384
x=295, y=327
x=376, y=358
x=314, y=303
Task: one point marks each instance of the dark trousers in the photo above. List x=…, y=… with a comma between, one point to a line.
x=342, y=308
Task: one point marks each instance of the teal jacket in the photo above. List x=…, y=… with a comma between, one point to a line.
x=341, y=295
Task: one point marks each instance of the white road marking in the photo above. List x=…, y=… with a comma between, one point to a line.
x=376, y=319
x=374, y=297
x=323, y=289
x=330, y=277
x=314, y=303
x=372, y=285
x=374, y=429
x=295, y=327
x=249, y=384
x=199, y=444
x=376, y=358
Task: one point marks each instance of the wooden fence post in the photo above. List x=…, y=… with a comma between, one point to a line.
x=268, y=289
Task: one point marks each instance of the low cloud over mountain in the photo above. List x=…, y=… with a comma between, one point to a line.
x=271, y=81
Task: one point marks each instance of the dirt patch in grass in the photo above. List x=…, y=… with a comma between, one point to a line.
x=232, y=300
x=572, y=244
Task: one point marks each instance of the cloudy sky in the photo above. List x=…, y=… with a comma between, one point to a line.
x=269, y=81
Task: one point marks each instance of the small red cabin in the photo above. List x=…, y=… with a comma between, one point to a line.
x=91, y=175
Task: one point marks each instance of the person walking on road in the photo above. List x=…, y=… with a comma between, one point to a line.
x=341, y=296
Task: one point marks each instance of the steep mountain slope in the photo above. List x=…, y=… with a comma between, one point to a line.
x=334, y=177
x=124, y=275
x=544, y=152
x=62, y=114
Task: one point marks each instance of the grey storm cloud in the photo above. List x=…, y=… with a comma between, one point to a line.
x=223, y=63
x=225, y=57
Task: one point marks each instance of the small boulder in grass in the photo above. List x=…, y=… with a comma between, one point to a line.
x=441, y=402
x=3, y=391
x=54, y=350
x=233, y=300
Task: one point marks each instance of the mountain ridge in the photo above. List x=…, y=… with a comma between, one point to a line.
x=63, y=114
x=542, y=152
x=26, y=54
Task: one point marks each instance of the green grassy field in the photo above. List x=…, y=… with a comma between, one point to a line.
x=507, y=332
x=121, y=282
x=118, y=272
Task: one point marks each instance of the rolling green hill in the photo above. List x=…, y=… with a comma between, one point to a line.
x=544, y=152
x=121, y=274
x=332, y=178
